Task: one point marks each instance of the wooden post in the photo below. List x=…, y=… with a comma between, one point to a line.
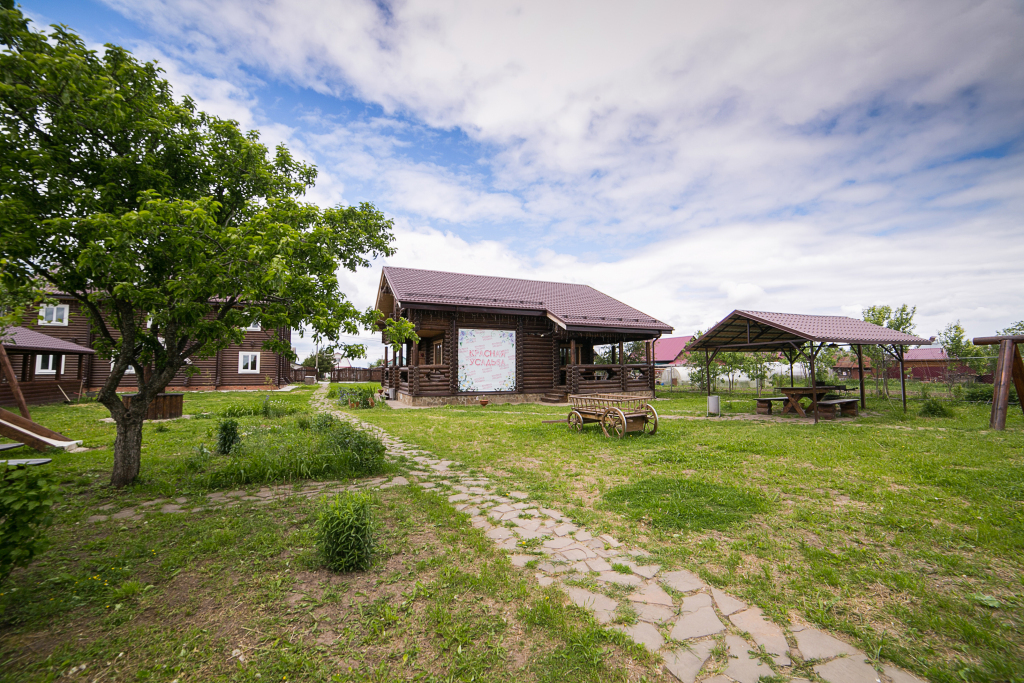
x=384, y=368
x=58, y=360
x=1001, y=384
x=860, y=372
x=12, y=380
x=903, y=380
x=32, y=367
x=623, y=379
x=707, y=365
x=814, y=382
x=1018, y=376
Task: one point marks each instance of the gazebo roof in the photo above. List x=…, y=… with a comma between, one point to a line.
x=763, y=331
x=24, y=340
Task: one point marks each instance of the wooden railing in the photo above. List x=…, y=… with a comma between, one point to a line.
x=595, y=379
x=356, y=375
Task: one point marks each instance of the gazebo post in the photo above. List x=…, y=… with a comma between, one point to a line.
x=707, y=375
x=814, y=384
x=860, y=373
x=12, y=380
x=790, y=357
x=903, y=380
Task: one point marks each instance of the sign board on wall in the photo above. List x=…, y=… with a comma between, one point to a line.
x=487, y=360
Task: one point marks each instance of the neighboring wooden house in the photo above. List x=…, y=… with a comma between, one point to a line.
x=240, y=366
x=924, y=364
x=509, y=340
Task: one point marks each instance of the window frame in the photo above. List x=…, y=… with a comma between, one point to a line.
x=241, y=356
x=42, y=316
x=254, y=326
x=39, y=363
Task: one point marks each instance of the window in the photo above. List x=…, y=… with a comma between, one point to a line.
x=47, y=364
x=54, y=315
x=129, y=371
x=254, y=326
x=248, y=362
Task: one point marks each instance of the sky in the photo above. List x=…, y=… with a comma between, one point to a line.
x=687, y=158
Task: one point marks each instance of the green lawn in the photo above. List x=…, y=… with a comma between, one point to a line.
x=905, y=533
x=237, y=594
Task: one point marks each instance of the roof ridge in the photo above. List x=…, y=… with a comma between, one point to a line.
x=493, y=277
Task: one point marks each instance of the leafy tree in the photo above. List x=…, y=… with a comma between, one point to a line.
x=730, y=363
x=322, y=359
x=963, y=357
x=758, y=366
x=900, y=319
x=171, y=227
x=1014, y=329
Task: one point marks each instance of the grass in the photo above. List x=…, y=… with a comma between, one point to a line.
x=882, y=529
x=238, y=593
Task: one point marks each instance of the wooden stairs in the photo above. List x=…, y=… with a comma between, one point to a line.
x=556, y=396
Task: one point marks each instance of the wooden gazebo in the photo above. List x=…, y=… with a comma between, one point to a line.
x=24, y=383
x=798, y=336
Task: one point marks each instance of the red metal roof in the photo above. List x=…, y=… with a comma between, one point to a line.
x=762, y=331
x=22, y=339
x=667, y=348
x=574, y=306
x=938, y=354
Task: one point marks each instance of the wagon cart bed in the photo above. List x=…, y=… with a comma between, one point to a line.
x=617, y=414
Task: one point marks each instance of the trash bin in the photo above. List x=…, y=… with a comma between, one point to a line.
x=715, y=405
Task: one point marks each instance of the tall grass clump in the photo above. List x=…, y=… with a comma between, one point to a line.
x=934, y=408
x=329, y=449
x=261, y=407
x=227, y=436
x=344, y=532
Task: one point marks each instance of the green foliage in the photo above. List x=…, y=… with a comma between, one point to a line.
x=227, y=436
x=345, y=533
x=965, y=359
x=1015, y=329
x=322, y=359
x=27, y=497
x=935, y=408
x=684, y=504
x=261, y=407
x=330, y=449
x=982, y=393
x=398, y=332
x=358, y=397
x=900, y=319
x=165, y=222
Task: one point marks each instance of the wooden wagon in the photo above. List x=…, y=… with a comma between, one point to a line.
x=618, y=414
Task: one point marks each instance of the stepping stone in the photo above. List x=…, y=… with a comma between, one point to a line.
x=171, y=508
x=697, y=624
x=472, y=511
x=583, y=536
x=97, y=518
x=504, y=507
x=726, y=603
x=590, y=601
x=499, y=533
x=532, y=512
x=609, y=540
x=648, y=571
x=520, y=560
x=695, y=602
x=551, y=513
x=181, y=501
x=656, y=614
x=545, y=581
x=845, y=670
x=580, y=567
x=457, y=497
x=686, y=664
x=399, y=481
x=682, y=580
x=477, y=489
x=509, y=544
x=764, y=633
x=108, y=506
x=528, y=524
x=599, y=565
x=124, y=514
x=519, y=494
x=520, y=506
x=643, y=634
x=721, y=679
x=574, y=554
x=814, y=644
x=620, y=579
x=900, y=676
x=742, y=667
x=652, y=595
x=426, y=484
x=552, y=568
x=558, y=543
x=235, y=494
x=527, y=534
x=150, y=503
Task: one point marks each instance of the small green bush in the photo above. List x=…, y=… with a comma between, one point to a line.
x=27, y=497
x=982, y=393
x=323, y=422
x=303, y=422
x=227, y=436
x=344, y=532
x=262, y=407
x=934, y=408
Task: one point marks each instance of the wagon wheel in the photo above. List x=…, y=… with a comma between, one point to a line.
x=651, y=425
x=613, y=421
x=575, y=421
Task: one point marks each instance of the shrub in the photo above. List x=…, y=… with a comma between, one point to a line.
x=26, y=510
x=323, y=422
x=332, y=393
x=303, y=422
x=982, y=393
x=263, y=407
x=362, y=453
x=227, y=436
x=344, y=532
x=934, y=408
x=358, y=397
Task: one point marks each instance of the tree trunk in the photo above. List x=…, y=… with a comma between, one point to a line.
x=127, y=448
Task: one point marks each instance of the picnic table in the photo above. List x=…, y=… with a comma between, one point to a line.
x=794, y=395
x=618, y=414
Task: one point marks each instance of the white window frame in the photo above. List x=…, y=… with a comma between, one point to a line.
x=63, y=308
x=241, y=362
x=254, y=326
x=39, y=364
x=128, y=371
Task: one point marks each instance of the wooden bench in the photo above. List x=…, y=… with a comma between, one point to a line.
x=847, y=408
x=764, y=405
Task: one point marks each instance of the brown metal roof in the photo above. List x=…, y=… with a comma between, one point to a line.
x=575, y=307
x=22, y=340
x=763, y=331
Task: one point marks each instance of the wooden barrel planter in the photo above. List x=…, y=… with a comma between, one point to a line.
x=162, y=407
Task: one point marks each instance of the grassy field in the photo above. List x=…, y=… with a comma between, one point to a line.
x=237, y=594
x=904, y=533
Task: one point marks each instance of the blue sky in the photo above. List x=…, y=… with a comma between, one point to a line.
x=687, y=158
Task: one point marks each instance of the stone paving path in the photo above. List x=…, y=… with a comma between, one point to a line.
x=683, y=625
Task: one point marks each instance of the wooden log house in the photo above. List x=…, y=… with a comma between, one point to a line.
x=240, y=366
x=509, y=340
